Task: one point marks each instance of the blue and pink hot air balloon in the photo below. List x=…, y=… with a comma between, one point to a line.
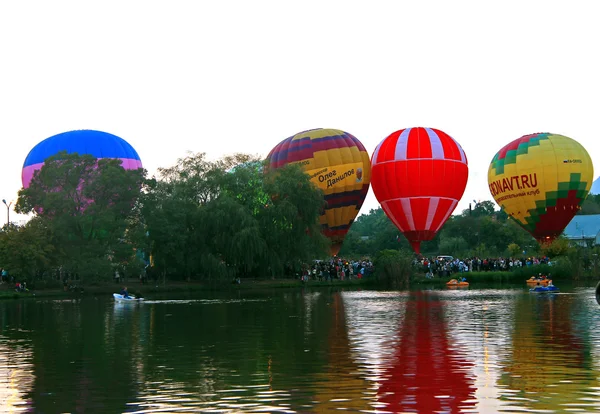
x=96, y=143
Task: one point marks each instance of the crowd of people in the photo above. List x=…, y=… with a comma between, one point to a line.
x=337, y=268
x=443, y=266
x=6, y=278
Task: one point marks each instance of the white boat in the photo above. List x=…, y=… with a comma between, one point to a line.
x=120, y=298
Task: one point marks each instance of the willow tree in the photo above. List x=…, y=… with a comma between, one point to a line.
x=290, y=221
x=213, y=220
x=282, y=218
x=86, y=204
x=171, y=207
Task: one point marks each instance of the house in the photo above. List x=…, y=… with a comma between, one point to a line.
x=584, y=230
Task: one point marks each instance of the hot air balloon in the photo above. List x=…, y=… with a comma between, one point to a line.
x=428, y=373
x=418, y=177
x=339, y=165
x=96, y=143
x=541, y=180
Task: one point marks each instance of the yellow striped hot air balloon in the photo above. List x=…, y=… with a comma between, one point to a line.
x=541, y=180
x=339, y=165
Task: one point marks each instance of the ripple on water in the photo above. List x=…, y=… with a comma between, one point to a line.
x=478, y=350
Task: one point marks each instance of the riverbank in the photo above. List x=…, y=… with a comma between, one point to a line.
x=150, y=289
x=153, y=289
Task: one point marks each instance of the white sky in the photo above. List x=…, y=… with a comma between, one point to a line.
x=225, y=76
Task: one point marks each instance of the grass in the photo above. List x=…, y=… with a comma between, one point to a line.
x=54, y=289
x=149, y=289
x=510, y=277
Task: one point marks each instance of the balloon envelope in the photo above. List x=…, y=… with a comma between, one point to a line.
x=339, y=165
x=96, y=143
x=541, y=180
x=418, y=177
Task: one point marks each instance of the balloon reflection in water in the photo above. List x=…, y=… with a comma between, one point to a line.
x=16, y=375
x=342, y=385
x=427, y=374
x=546, y=350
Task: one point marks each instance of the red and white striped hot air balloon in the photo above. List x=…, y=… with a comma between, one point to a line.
x=418, y=176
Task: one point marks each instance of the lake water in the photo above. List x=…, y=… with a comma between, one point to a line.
x=302, y=351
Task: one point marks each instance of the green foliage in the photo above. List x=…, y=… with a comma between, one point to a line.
x=514, y=250
x=481, y=250
x=216, y=220
x=485, y=208
x=591, y=205
x=558, y=247
x=481, y=231
x=85, y=206
x=371, y=233
x=289, y=222
x=393, y=269
x=454, y=246
x=29, y=250
x=579, y=263
x=200, y=219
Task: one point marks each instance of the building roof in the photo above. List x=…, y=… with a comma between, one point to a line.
x=595, y=186
x=580, y=227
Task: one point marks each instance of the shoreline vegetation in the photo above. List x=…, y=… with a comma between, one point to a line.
x=211, y=222
x=7, y=291
x=157, y=288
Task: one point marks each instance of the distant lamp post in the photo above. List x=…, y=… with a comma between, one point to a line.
x=7, y=210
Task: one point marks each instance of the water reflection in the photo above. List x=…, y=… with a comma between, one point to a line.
x=220, y=355
x=407, y=354
x=427, y=373
x=340, y=385
x=16, y=375
x=16, y=360
x=479, y=324
x=305, y=351
x=550, y=363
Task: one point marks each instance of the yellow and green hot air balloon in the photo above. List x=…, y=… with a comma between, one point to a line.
x=541, y=180
x=338, y=164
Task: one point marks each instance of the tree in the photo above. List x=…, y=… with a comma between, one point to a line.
x=28, y=251
x=487, y=232
x=514, y=249
x=480, y=208
x=558, y=247
x=454, y=246
x=393, y=268
x=86, y=204
x=215, y=220
x=290, y=220
x=371, y=233
x=591, y=205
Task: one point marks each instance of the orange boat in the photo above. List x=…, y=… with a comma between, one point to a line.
x=454, y=282
x=533, y=281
